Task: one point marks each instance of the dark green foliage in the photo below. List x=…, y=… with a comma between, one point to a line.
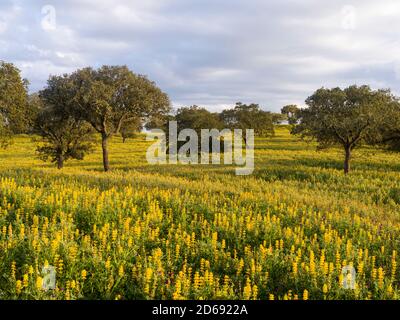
x=291, y=112
x=13, y=102
x=64, y=137
x=278, y=118
x=250, y=116
x=389, y=134
x=349, y=117
x=197, y=118
x=35, y=105
x=131, y=129
x=112, y=96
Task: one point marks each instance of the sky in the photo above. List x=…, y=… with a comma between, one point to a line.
x=211, y=53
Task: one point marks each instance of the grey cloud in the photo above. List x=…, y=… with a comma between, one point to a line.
x=209, y=52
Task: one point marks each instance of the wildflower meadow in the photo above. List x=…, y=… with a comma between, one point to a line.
x=146, y=231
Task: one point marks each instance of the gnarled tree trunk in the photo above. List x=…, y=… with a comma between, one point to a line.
x=104, y=145
x=347, y=159
x=60, y=162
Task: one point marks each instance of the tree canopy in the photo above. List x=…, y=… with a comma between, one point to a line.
x=131, y=129
x=197, y=118
x=64, y=136
x=113, y=100
x=13, y=102
x=348, y=117
x=111, y=96
x=291, y=112
x=244, y=116
x=278, y=118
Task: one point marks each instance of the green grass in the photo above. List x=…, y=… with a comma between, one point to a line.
x=305, y=190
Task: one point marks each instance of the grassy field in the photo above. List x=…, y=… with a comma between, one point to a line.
x=200, y=232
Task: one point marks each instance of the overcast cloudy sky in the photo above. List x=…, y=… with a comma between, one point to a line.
x=211, y=52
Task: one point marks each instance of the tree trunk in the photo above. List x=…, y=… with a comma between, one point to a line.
x=104, y=145
x=60, y=162
x=347, y=160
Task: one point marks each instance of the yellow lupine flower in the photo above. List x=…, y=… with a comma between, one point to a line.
x=39, y=283
x=83, y=274
x=304, y=233
x=271, y=296
x=31, y=270
x=325, y=288
x=108, y=264
x=25, y=280
x=121, y=271
x=294, y=268
x=381, y=275
x=247, y=290
x=389, y=290
x=13, y=269
x=18, y=286
x=255, y=292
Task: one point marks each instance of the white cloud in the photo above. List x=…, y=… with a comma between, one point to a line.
x=212, y=53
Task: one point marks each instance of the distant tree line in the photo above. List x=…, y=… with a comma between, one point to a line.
x=112, y=100
x=108, y=101
x=241, y=116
